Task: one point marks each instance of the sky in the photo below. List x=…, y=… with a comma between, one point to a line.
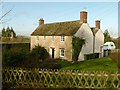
x=24, y=16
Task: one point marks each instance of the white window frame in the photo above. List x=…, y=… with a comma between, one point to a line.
x=52, y=38
x=37, y=39
x=62, y=39
x=44, y=38
x=62, y=52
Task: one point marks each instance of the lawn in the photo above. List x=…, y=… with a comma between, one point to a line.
x=102, y=64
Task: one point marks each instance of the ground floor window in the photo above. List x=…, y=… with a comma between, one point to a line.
x=62, y=52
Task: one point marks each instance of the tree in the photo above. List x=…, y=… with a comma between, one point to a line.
x=107, y=36
x=3, y=15
x=7, y=32
x=3, y=32
x=14, y=34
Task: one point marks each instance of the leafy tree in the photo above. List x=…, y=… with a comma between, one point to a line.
x=107, y=36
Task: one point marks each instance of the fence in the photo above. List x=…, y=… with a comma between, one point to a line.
x=36, y=78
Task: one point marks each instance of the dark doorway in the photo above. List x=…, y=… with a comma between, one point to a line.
x=52, y=52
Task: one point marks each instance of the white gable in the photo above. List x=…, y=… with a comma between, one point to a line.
x=85, y=33
x=99, y=41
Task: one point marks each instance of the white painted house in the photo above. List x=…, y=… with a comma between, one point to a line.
x=57, y=37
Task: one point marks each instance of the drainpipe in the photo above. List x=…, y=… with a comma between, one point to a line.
x=101, y=50
x=93, y=45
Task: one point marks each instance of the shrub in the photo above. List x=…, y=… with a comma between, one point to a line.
x=51, y=64
x=14, y=56
x=115, y=56
x=36, y=58
x=39, y=53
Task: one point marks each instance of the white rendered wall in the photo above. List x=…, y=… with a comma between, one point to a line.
x=99, y=42
x=85, y=33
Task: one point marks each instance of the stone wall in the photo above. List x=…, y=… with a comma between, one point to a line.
x=47, y=42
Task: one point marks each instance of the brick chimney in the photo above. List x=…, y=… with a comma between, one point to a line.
x=83, y=16
x=41, y=21
x=97, y=23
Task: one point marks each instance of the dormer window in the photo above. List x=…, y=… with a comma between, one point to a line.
x=62, y=38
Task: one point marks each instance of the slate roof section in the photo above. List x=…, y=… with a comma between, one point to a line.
x=56, y=29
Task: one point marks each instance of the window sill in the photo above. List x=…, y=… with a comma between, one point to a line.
x=61, y=56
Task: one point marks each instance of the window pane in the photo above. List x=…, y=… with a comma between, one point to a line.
x=44, y=37
x=52, y=38
x=62, y=52
x=37, y=39
x=62, y=38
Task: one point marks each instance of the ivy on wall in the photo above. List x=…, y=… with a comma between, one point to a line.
x=77, y=44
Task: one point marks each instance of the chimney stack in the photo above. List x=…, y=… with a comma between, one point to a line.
x=41, y=21
x=83, y=16
x=97, y=22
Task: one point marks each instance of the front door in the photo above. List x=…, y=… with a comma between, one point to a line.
x=52, y=52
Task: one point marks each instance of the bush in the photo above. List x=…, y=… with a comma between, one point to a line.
x=39, y=53
x=91, y=56
x=36, y=58
x=115, y=56
x=14, y=56
x=22, y=57
x=51, y=64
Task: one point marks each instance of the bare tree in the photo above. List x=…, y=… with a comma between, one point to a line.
x=3, y=15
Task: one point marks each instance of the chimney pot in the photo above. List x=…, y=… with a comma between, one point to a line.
x=41, y=21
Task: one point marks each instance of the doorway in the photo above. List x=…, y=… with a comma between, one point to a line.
x=52, y=52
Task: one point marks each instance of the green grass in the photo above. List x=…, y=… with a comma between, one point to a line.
x=102, y=64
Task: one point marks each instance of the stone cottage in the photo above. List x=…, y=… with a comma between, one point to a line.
x=57, y=37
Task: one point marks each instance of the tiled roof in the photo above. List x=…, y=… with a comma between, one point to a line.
x=56, y=29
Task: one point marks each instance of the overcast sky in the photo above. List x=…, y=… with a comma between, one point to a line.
x=25, y=15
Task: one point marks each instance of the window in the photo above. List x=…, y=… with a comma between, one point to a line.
x=37, y=39
x=52, y=38
x=44, y=37
x=61, y=52
x=62, y=38
x=112, y=45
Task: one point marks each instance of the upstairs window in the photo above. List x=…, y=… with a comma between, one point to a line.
x=62, y=38
x=37, y=39
x=62, y=52
x=44, y=38
x=52, y=38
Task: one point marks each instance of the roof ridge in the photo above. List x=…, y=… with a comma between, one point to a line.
x=62, y=22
